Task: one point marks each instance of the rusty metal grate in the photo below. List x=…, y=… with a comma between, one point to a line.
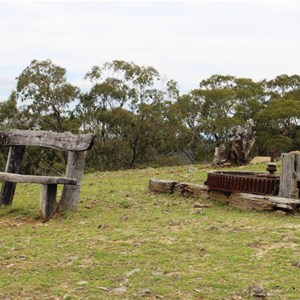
x=243, y=182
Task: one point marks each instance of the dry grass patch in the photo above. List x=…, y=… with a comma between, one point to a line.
x=125, y=243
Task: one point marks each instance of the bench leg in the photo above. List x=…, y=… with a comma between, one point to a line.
x=48, y=203
x=13, y=165
x=70, y=195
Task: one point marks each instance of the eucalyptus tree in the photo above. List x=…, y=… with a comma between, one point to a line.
x=46, y=99
x=279, y=120
x=120, y=83
x=118, y=109
x=280, y=125
x=10, y=116
x=251, y=99
x=209, y=112
x=185, y=115
x=283, y=85
x=46, y=95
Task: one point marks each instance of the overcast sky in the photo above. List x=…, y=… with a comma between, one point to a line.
x=185, y=41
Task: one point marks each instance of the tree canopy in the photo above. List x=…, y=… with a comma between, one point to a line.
x=140, y=119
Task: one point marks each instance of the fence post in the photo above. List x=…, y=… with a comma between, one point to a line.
x=290, y=174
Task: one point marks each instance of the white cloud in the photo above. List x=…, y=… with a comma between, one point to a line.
x=186, y=41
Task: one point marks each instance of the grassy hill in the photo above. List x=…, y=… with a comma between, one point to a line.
x=125, y=243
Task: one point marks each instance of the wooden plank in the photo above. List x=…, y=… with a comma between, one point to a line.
x=48, y=204
x=65, y=141
x=36, y=179
x=264, y=202
x=75, y=169
x=297, y=166
x=250, y=201
x=191, y=190
x=221, y=196
x=288, y=182
x=162, y=186
x=257, y=202
x=239, y=200
x=13, y=165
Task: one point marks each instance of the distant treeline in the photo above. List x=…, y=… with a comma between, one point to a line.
x=141, y=120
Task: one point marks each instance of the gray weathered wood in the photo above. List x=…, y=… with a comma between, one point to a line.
x=288, y=178
x=261, y=202
x=191, y=190
x=242, y=139
x=75, y=168
x=36, y=179
x=257, y=202
x=65, y=141
x=13, y=165
x=76, y=145
x=48, y=204
x=239, y=200
x=220, y=155
x=162, y=186
x=297, y=167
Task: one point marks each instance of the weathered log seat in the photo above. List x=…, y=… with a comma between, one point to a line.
x=75, y=144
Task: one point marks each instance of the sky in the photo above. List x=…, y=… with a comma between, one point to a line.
x=187, y=41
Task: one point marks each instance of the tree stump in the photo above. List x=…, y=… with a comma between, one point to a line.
x=220, y=155
x=242, y=139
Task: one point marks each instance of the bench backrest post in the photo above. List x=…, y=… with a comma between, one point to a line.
x=13, y=165
x=75, y=168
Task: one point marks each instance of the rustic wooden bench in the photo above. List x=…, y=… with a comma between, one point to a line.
x=75, y=144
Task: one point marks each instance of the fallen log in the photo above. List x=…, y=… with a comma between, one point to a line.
x=162, y=186
x=239, y=200
x=259, y=202
x=191, y=190
x=248, y=201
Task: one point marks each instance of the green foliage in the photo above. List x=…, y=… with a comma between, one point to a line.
x=46, y=98
x=283, y=85
x=44, y=89
x=128, y=114
x=119, y=83
x=10, y=116
x=139, y=119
